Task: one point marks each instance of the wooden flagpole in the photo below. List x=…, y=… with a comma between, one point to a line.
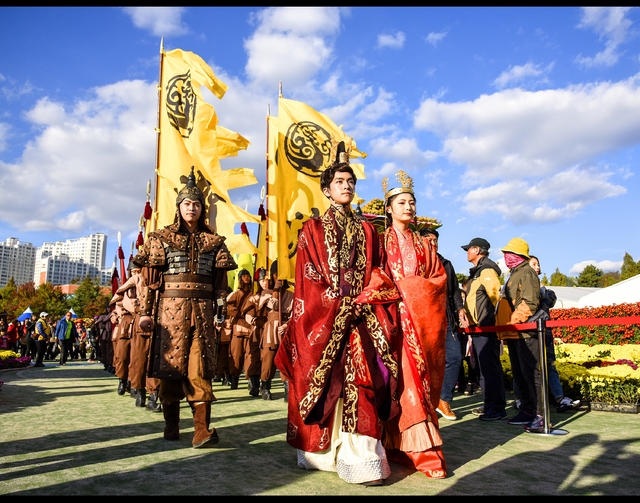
x=158, y=132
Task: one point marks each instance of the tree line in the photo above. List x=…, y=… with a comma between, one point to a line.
x=89, y=299
x=592, y=277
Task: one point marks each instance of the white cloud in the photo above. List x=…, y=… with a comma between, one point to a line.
x=435, y=38
x=14, y=91
x=540, y=147
x=291, y=44
x=161, y=21
x=514, y=134
x=394, y=41
x=404, y=152
x=74, y=221
x=612, y=26
x=521, y=73
x=89, y=165
x=603, y=265
x=548, y=200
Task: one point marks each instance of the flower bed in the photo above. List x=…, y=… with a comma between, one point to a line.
x=603, y=373
x=11, y=360
x=598, y=334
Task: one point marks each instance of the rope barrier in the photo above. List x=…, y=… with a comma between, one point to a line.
x=540, y=326
x=622, y=320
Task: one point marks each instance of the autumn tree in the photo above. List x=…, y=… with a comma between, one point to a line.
x=9, y=300
x=88, y=300
x=50, y=298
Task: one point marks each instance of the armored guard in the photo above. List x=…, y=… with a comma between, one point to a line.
x=184, y=270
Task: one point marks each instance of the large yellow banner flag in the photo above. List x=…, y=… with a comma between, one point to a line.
x=189, y=135
x=300, y=141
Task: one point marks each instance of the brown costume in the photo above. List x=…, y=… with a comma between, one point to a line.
x=121, y=337
x=183, y=272
x=244, y=348
x=140, y=346
x=273, y=316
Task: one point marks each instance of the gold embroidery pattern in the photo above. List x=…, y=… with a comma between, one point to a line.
x=339, y=257
x=350, y=406
x=328, y=357
x=379, y=340
x=330, y=244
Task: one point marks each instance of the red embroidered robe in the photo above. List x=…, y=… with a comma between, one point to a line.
x=421, y=340
x=326, y=353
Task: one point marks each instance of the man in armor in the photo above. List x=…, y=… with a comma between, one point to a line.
x=184, y=269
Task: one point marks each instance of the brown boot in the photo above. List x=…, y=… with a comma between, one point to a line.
x=202, y=436
x=171, y=421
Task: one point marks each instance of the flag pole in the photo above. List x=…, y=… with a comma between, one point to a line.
x=265, y=197
x=159, y=87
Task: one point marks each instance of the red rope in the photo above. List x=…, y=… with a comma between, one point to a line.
x=625, y=320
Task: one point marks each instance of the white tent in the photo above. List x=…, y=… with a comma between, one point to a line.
x=625, y=292
x=569, y=296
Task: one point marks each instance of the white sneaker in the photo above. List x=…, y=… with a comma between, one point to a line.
x=566, y=404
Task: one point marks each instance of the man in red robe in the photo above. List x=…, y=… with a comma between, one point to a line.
x=336, y=353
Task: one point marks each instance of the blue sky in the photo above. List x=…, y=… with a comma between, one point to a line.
x=513, y=122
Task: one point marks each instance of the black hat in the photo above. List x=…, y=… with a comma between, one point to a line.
x=243, y=272
x=482, y=243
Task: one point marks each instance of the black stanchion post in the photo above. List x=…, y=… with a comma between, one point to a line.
x=544, y=380
x=544, y=373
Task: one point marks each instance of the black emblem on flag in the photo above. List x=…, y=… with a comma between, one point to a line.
x=307, y=147
x=181, y=103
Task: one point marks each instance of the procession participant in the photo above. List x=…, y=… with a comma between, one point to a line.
x=413, y=437
x=244, y=348
x=121, y=320
x=274, y=308
x=104, y=329
x=185, y=265
x=224, y=340
x=140, y=344
x=336, y=353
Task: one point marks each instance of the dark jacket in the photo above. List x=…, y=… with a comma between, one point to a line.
x=522, y=296
x=454, y=296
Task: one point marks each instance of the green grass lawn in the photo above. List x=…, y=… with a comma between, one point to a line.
x=65, y=431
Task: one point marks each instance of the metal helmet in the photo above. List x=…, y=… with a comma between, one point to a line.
x=190, y=191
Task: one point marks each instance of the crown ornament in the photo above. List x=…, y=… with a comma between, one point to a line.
x=404, y=180
x=341, y=151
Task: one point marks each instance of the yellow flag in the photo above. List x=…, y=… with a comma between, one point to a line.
x=300, y=141
x=189, y=135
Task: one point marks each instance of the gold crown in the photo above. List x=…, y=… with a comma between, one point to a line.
x=404, y=179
